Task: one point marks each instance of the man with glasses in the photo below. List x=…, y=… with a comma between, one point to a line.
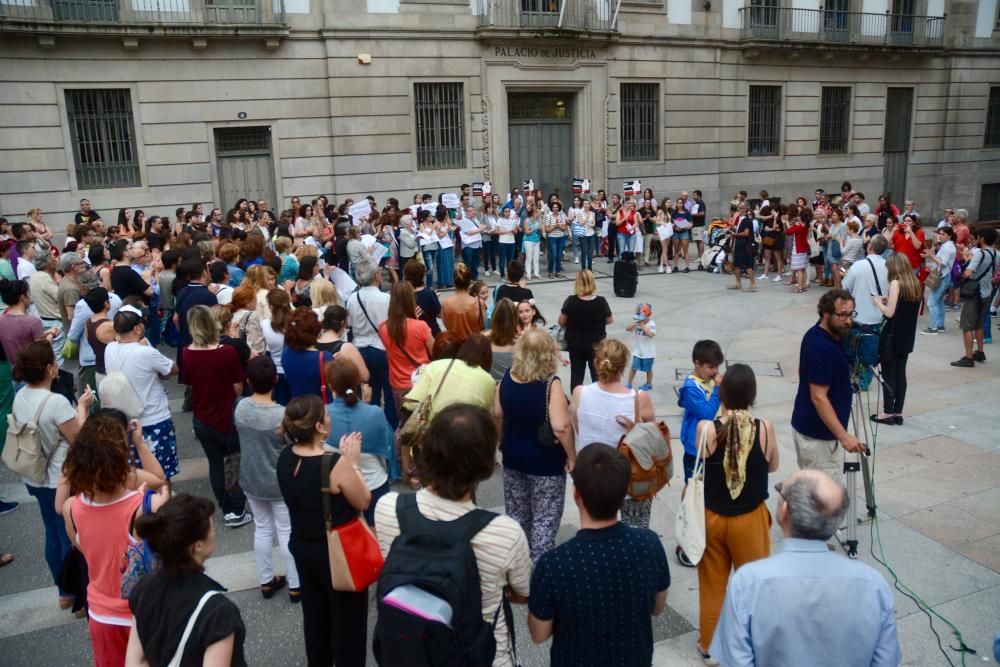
x=807, y=587
x=823, y=400
x=867, y=278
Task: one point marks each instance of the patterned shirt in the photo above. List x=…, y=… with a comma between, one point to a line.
x=600, y=589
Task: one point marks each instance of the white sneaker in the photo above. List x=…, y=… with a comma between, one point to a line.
x=576, y=261
x=659, y=269
x=762, y=276
x=776, y=279
x=670, y=269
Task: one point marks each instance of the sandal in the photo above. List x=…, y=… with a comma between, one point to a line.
x=6, y=559
x=65, y=601
x=294, y=595
x=269, y=589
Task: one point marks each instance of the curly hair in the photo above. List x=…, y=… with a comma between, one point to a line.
x=98, y=461
x=536, y=356
x=302, y=329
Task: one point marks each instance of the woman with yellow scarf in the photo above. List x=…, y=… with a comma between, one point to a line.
x=740, y=451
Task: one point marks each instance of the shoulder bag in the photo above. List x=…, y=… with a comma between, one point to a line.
x=411, y=433
x=646, y=447
x=355, y=558
x=139, y=557
x=969, y=288
x=23, y=452
x=188, y=629
x=689, y=525
x=546, y=436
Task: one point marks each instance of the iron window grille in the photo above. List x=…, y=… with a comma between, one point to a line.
x=992, y=138
x=102, y=132
x=640, y=121
x=989, y=202
x=440, y=119
x=834, y=119
x=764, y=127
x=231, y=141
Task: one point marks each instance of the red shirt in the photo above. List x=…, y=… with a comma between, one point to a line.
x=400, y=366
x=801, y=235
x=212, y=374
x=904, y=246
x=627, y=226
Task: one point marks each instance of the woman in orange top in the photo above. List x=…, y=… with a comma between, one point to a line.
x=463, y=313
x=407, y=339
x=107, y=496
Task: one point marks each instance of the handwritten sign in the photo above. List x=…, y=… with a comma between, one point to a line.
x=581, y=186
x=528, y=185
x=450, y=200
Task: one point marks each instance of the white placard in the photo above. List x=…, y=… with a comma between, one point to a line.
x=360, y=209
x=450, y=200
x=487, y=188
x=343, y=282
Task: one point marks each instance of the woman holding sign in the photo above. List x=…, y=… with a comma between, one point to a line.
x=532, y=238
x=585, y=219
x=627, y=221
x=555, y=230
x=443, y=228
x=429, y=246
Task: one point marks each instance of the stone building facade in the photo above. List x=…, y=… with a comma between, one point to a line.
x=157, y=104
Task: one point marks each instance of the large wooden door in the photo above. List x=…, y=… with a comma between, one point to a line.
x=896, y=146
x=245, y=166
x=541, y=142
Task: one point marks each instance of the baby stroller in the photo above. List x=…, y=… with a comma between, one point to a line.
x=716, y=242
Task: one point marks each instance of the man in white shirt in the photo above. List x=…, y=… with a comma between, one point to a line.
x=367, y=308
x=219, y=273
x=859, y=200
x=472, y=239
x=26, y=250
x=867, y=278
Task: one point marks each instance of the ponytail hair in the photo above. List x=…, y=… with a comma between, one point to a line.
x=171, y=530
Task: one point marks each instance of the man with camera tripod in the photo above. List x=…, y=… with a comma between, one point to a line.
x=823, y=400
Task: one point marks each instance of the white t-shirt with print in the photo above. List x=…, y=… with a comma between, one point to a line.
x=645, y=347
x=142, y=365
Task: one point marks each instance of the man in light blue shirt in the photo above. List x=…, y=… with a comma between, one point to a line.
x=807, y=605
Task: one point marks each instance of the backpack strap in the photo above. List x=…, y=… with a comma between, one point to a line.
x=878, y=286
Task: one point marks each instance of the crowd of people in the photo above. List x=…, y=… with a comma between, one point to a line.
x=289, y=348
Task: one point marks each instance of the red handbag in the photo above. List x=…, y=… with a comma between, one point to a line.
x=355, y=558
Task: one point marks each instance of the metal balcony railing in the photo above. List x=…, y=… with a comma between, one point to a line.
x=765, y=23
x=585, y=15
x=146, y=12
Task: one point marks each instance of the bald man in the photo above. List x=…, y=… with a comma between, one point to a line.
x=807, y=605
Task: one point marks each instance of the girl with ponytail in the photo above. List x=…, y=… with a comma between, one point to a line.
x=182, y=534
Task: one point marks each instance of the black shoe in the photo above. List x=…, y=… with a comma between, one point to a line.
x=964, y=362
x=269, y=589
x=682, y=557
x=979, y=356
x=7, y=507
x=899, y=420
x=888, y=421
x=701, y=268
x=687, y=269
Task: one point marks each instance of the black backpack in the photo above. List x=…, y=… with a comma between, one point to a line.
x=437, y=558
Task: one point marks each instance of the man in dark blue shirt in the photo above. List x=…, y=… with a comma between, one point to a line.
x=823, y=400
x=596, y=594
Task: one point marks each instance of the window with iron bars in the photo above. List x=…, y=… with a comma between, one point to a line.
x=992, y=138
x=834, y=119
x=440, y=125
x=102, y=132
x=764, y=126
x=989, y=202
x=640, y=122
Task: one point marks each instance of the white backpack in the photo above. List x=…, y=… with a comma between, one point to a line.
x=22, y=450
x=116, y=391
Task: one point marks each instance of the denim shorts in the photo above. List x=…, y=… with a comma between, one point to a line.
x=683, y=236
x=642, y=365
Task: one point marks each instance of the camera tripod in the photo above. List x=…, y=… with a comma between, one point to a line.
x=858, y=463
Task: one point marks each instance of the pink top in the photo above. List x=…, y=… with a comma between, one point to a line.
x=102, y=532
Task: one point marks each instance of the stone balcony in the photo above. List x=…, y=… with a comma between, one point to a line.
x=768, y=27
x=132, y=19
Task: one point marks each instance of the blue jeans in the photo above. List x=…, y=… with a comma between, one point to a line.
x=446, y=267
x=935, y=302
x=430, y=261
x=588, y=247
x=624, y=243
x=508, y=253
x=378, y=379
x=489, y=256
x=556, y=246
x=57, y=544
x=471, y=258
x=59, y=341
